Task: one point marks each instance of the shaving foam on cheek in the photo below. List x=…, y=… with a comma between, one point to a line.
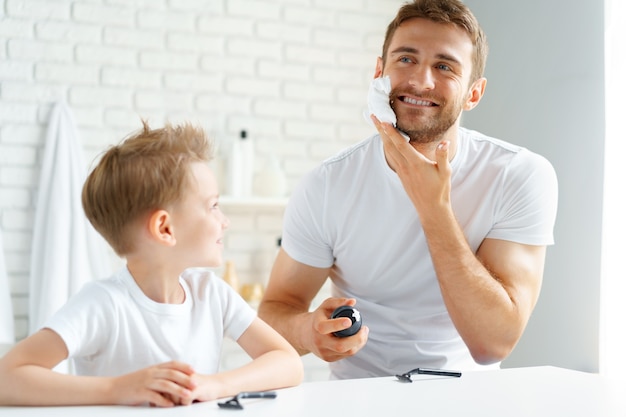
x=378, y=102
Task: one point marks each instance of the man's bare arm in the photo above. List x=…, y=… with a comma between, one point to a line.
x=285, y=306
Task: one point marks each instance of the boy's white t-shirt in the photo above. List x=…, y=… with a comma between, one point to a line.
x=353, y=214
x=112, y=328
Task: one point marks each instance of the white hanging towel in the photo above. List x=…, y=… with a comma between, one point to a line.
x=7, y=330
x=67, y=251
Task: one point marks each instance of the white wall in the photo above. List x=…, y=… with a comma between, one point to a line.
x=545, y=91
x=294, y=73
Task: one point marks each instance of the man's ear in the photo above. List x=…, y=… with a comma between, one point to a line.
x=475, y=93
x=160, y=227
x=379, y=67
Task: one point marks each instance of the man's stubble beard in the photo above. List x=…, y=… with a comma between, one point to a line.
x=423, y=129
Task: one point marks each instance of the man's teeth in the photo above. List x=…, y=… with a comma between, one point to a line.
x=417, y=102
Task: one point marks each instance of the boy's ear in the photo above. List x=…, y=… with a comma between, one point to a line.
x=160, y=227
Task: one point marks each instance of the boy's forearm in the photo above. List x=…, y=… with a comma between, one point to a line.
x=273, y=370
x=262, y=373
x=35, y=386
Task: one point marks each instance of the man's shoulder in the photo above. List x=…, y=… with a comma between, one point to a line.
x=351, y=152
x=482, y=142
x=486, y=151
x=479, y=145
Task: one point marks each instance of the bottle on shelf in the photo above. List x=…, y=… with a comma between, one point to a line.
x=241, y=166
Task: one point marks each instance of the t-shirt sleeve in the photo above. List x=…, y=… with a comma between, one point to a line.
x=529, y=201
x=80, y=322
x=305, y=234
x=237, y=313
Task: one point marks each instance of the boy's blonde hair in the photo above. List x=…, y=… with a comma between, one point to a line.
x=147, y=171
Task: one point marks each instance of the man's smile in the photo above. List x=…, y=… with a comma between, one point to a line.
x=417, y=101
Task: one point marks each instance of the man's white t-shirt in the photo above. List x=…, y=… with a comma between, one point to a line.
x=353, y=214
x=111, y=327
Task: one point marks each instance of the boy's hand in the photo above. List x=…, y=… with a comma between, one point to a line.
x=163, y=385
x=207, y=388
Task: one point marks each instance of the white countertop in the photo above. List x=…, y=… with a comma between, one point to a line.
x=527, y=392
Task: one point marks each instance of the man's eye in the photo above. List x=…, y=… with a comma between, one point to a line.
x=444, y=67
x=405, y=59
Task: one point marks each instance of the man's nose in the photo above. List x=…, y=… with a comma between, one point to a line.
x=422, y=78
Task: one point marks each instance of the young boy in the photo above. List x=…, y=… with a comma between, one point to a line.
x=152, y=333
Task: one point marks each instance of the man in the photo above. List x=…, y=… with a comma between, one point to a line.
x=439, y=242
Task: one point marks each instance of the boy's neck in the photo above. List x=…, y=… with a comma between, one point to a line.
x=157, y=283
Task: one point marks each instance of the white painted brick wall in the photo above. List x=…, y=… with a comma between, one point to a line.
x=293, y=73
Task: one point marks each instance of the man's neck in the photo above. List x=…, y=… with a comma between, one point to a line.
x=428, y=149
